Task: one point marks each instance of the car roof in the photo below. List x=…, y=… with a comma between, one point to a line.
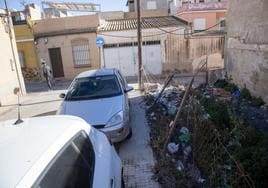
x=24, y=144
x=97, y=72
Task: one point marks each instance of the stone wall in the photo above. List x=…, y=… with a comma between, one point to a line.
x=247, y=45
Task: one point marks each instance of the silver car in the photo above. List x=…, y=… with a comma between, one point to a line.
x=100, y=97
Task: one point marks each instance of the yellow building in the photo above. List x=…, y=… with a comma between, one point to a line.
x=26, y=50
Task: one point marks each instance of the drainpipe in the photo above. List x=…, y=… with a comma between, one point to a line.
x=12, y=46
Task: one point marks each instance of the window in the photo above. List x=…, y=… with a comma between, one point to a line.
x=222, y=23
x=122, y=80
x=21, y=59
x=94, y=88
x=151, y=5
x=199, y=24
x=81, y=55
x=73, y=166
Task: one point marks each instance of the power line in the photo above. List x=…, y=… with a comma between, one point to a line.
x=159, y=34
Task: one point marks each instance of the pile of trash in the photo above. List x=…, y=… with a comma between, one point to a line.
x=161, y=110
x=180, y=153
x=193, y=157
x=169, y=99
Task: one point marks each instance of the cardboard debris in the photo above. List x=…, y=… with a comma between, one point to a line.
x=221, y=92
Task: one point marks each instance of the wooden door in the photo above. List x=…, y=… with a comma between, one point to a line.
x=56, y=62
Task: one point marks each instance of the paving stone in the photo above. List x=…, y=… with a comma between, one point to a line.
x=136, y=153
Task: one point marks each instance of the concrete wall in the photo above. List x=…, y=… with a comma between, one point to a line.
x=211, y=17
x=247, y=47
x=185, y=54
x=58, y=33
x=9, y=77
x=67, y=23
x=113, y=15
x=150, y=13
x=160, y=5
x=64, y=42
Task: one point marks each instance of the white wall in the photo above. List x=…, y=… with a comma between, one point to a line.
x=9, y=79
x=151, y=53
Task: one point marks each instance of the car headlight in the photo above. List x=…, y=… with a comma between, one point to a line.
x=115, y=120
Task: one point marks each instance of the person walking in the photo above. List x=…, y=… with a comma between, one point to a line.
x=47, y=73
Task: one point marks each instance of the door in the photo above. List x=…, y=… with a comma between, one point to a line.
x=121, y=58
x=126, y=59
x=56, y=62
x=152, y=59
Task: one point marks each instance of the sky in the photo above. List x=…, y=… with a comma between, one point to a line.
x=106, y=5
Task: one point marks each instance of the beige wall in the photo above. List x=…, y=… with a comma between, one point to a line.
x=59, y=32
x=67, y=23
x=247, y=45
x=8, y=74
x=184, y=54
x=64, y=42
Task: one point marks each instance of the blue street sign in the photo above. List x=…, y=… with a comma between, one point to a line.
x=99, y=41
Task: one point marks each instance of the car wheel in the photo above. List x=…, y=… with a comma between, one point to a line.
x=129, y=134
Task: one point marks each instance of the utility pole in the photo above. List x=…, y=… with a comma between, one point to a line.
x=139, y=45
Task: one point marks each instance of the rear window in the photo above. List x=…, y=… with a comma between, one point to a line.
x=72, y=167
x=94, y=87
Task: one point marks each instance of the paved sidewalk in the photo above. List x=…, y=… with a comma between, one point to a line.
x=136, y=153
x=39, y=101
x=34, y=104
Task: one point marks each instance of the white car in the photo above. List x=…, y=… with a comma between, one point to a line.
x=56, y=151
x=100, y=97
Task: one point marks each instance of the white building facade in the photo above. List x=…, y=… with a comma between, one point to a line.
x=121, y=48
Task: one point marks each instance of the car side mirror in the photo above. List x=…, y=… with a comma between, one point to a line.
x=128, y=89
x=62, y=95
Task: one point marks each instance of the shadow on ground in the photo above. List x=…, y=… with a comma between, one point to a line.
x=42, y=86
x=46, y=114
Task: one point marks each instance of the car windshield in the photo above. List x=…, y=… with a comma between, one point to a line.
x=94, y=87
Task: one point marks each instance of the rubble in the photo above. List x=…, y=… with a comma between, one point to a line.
x=179, y=151
x=195, y=155
x=185, y=137
x=173, y=148
x=184, y=130
x=179, y=166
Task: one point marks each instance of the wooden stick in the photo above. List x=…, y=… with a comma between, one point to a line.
x=163, y=89
x=173, y=125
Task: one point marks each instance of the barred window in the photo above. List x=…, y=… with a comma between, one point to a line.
x=81, y=55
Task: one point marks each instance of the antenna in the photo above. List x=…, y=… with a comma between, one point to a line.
x=17, y=92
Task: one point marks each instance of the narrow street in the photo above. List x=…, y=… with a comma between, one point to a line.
x=136, y=153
